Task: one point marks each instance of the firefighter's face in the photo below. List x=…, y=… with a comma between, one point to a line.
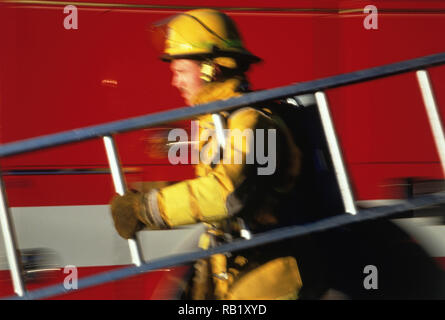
x=187, y=78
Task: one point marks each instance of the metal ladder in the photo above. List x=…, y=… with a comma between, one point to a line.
x=317, y=86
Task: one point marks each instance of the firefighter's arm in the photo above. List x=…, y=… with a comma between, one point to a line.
x=204, y=198
x=208, y=198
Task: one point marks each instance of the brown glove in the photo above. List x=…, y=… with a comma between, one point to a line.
x=125, y=210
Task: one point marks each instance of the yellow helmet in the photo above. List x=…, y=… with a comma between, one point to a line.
x=203, y=33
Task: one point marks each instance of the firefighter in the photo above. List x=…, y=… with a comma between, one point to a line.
x=209, y=63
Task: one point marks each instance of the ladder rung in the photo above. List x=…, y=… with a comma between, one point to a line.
x=334, y=149
x=120, y=187
x=433, y=114
x=10, y=240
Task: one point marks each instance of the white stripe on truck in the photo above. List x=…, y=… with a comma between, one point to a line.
x=85, y=236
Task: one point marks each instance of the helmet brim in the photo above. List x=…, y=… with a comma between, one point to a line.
x=242, y=57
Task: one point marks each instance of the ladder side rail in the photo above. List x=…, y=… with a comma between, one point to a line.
x=182, y=113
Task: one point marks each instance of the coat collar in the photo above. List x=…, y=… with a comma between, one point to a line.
x=218, y=91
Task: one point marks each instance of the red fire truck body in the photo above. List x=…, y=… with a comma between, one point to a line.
x=55, y=79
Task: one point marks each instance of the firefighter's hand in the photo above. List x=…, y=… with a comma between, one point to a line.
x=125, y=211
